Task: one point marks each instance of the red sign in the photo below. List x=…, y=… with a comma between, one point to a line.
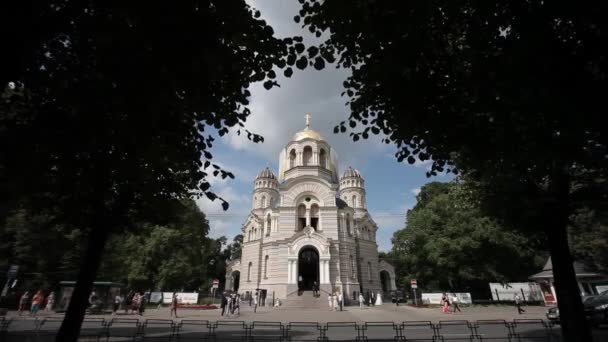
x=413, y=281
x=216, y=281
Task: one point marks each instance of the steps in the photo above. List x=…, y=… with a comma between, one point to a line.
x=305, y=301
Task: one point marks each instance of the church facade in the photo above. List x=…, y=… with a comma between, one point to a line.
x=309, y=224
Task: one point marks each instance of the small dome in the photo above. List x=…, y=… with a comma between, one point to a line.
x=350, y=172
x=266, y=173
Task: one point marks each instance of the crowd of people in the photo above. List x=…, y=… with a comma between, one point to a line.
x=33, y=304
x=132, y=303
x=231, y=304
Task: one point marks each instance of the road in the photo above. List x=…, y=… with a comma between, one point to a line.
x=386, y=322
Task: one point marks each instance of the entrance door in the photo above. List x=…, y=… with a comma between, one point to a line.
x=308, y=268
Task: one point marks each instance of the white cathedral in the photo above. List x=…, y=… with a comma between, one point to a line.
x=309, y=225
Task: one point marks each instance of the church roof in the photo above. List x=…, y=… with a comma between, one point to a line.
x=350, y=172
x=580, y=270
x=266, y=173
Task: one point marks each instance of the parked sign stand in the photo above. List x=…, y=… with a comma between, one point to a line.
x=414, y=285
x=214, y=286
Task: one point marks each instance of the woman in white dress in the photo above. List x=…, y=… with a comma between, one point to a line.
x=330, y=301
x=361, y=301
x=334, y=298
x=378, y=299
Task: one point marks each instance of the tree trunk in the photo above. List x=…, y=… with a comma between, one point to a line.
x=572, y=317
x=70, y=327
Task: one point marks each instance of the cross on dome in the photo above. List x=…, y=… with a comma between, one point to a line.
x=307, y=116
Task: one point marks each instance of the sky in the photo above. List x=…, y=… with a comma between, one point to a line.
x=391, y=187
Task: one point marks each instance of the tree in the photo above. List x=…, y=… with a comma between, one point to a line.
x=510, y=92
x=106, y=110
x=236, y=247
x=161, y=256
x=449, y=243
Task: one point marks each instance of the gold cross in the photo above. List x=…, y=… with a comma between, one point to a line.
x=307, y=120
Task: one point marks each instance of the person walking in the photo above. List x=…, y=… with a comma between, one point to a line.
x=129, y=301
x=255, y=302
x=334, y=298
x=223, y=304
x=36, y=302
x=361, y=301
x=25, y=298
x=341, y=301
x=174, y=305
x=518, y=302
x=117, y=301
x=50, y=302
x=445, y=303
x=330, y=302
x=228, y=305
x=455, y=304
x=141, y=307
x=236, y=306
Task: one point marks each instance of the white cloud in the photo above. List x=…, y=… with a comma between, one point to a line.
x=415, y=191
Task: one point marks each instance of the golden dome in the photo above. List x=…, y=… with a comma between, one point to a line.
x=307, y=134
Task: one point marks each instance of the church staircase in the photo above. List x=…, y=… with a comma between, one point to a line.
x=305, y=300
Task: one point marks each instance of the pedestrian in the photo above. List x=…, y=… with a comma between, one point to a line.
x=334, y=299
x=23, y=301
x=445, y=303
x=314, y=289
x=455, y=304
x=174, y=305
x=117, y=301
x=36, y=302
x=135, y=303
x=50, y=302
x=518, y=301
x=361, y=301
x=373, y=299
x=236, y=306
x=250, y=298
x=341, y=301
x=223, y=304
x=141, y=307
x=330, y=302
x=228, y=305
x=126, y=302
x=255, y=302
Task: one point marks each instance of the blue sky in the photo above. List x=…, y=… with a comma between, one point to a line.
x=279, y=113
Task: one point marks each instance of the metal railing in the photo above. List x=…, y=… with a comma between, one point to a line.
x=165, y=330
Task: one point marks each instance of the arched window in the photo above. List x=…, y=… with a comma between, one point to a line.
x=249, y=271
x=292, y=158
x=353, y=267
x=268, y=224
x=301, y=216
x=263, y=201
x=307, y=156
x=348, y=223
x=354, y=201
x=266, y=267
x=255, y=233
x=323, y=158
x=369, y=233
x=369, y=271
x=272, y=202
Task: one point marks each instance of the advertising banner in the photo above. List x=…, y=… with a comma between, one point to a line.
x=435, y=298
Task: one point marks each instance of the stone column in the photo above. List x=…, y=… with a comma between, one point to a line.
x=307, y=217
x=299, y=160
x=289, y=280
x=294, y=270
x=321, y=271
